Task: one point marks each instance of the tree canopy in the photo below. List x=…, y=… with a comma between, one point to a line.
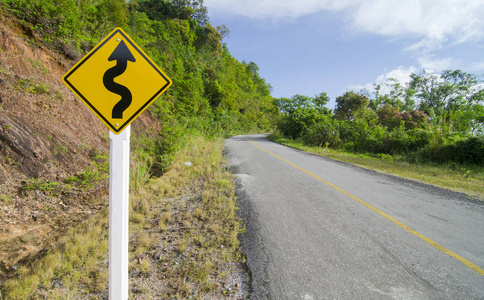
x=435, y=116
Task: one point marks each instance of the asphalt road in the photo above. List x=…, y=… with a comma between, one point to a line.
x=320, y=229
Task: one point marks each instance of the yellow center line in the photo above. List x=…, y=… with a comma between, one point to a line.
x=426, y=239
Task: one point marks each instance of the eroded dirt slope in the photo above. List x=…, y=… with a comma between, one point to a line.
x=53, y=149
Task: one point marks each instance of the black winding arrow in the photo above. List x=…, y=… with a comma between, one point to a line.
x=121, y=55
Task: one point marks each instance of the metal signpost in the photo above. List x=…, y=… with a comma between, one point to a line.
x=117, y=81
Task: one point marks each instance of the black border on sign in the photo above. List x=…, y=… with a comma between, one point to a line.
x=135, y=115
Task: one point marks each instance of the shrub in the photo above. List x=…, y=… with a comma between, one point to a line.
x=298, y=123
x=326, y=133
x=374, y=145
x=421, y=138
x=468, y=151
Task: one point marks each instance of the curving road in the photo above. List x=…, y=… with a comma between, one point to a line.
x=320, y=229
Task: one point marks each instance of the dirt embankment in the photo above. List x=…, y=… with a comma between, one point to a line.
x=49, y=141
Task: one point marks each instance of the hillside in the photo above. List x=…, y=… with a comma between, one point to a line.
x=54, y=154
x=53, y=150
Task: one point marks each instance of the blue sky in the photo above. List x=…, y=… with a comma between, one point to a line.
x=312, y=46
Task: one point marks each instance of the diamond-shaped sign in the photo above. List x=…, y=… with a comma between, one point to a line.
x=117, y=80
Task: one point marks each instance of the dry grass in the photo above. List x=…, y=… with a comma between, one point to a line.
x=77, y=262
x=183, y=240
x=464, y=179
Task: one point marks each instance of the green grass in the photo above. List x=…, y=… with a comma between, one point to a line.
x=39, y=66
x=92, y=175
x=466, y=179
x=42, y=185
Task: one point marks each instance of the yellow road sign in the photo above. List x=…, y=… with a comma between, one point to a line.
x=117, y=80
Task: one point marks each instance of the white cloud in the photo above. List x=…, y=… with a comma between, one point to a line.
x=401, y=74
x=425, y=46
x=434, y=23
x=276, y=9
x=431, y=21
x=430, y=63
x=425, y=25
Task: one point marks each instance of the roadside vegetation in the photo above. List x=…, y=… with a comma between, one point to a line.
x=183, y=240
x=183, y=226
x=211, y=92
x=434, y=126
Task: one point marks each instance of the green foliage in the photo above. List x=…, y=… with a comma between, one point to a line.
x=321, y=100
x=468, y=151
x=93, y=174
x=325, y=133
x=140, y=170
x=41, y=185
x=397, y=95
x=32, y=87
x=348, y=104
x=38, y=65
x=300, y=114
x=451, y=99
x=175, y=9
x=447, y=128
x=70, y=26
x=212, y=92
x=389, y=116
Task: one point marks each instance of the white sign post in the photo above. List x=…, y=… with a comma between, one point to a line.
x=119, y=214
x=117, y=81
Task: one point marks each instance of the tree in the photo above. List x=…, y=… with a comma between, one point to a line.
x=414, y=119
x=223, y=30
x=212, y=38
x=321, y=100
x=111, y=13
x=290, y=105
x=445, y=96
x=181, y=9
x=140, y=24
x=348, y=104
x=200, y=12
x=397, y=95
x=156, y=10
x=252, y=67
x=389, y=116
